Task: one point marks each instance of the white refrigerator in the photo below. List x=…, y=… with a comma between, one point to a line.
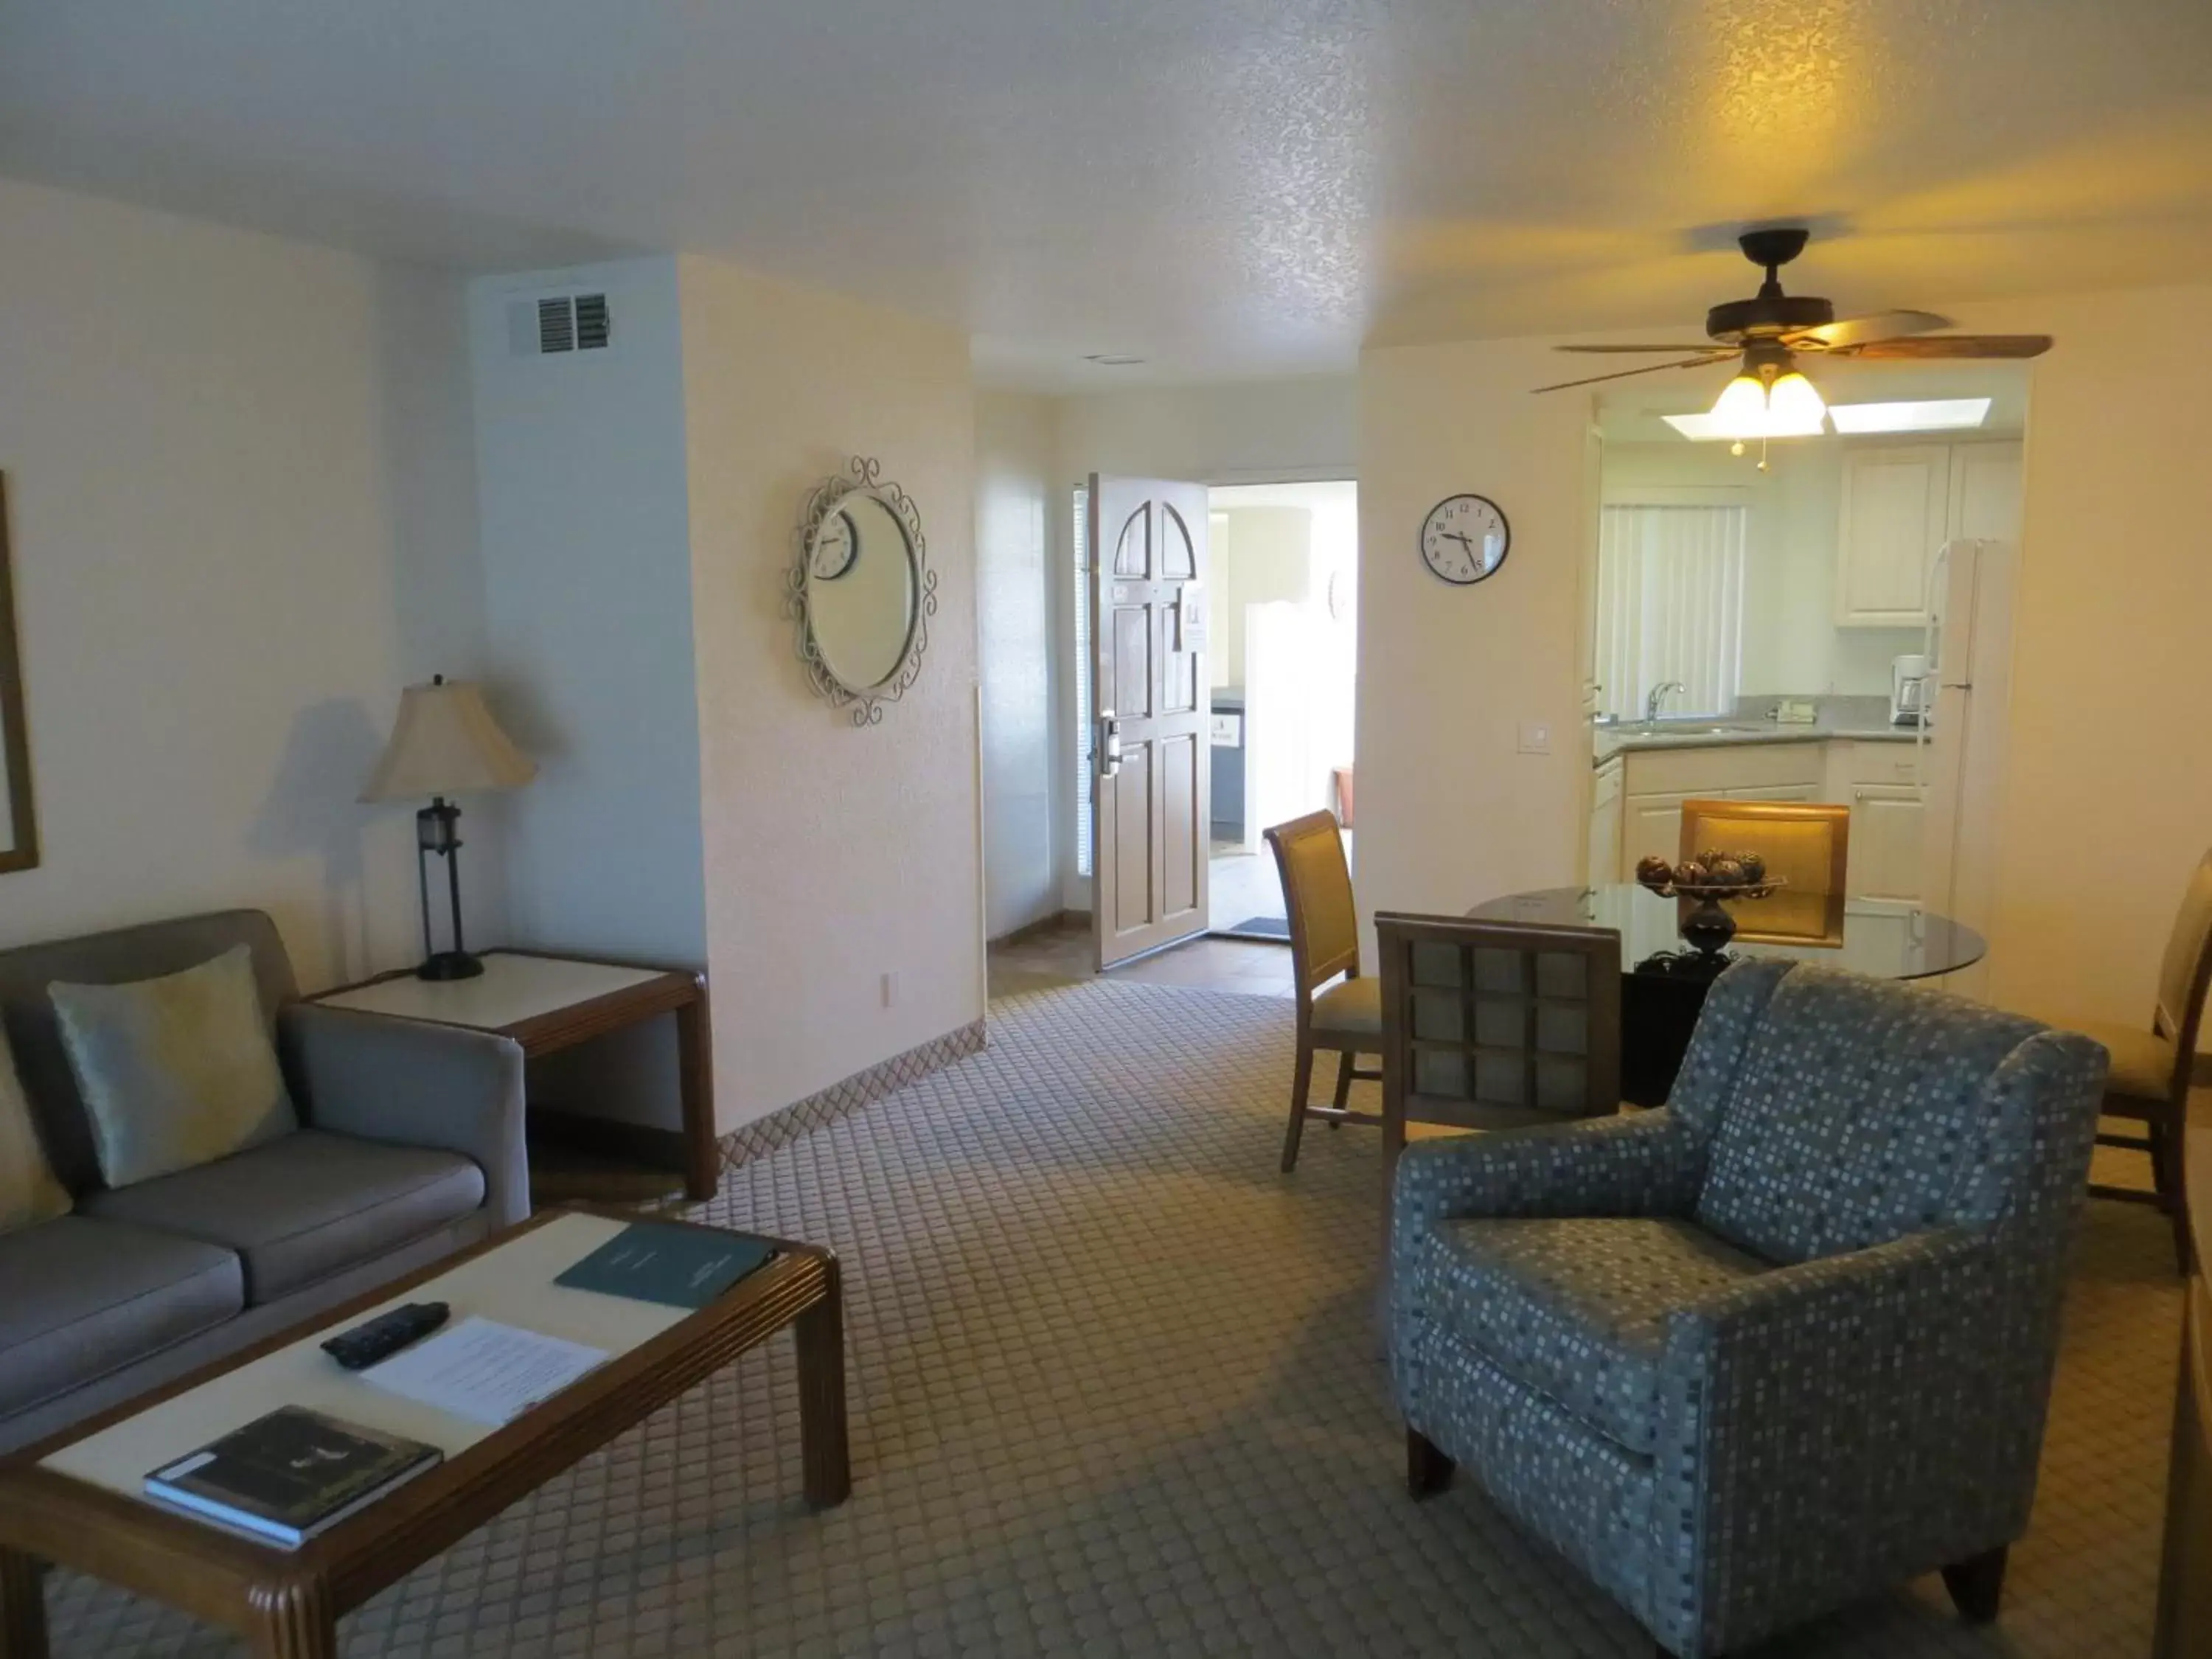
x=1962, y=743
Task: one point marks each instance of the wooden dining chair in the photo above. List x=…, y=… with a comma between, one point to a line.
x=1805, y=844
x=1495, y=1024
x=2151, y=1067
x=1346, y=1016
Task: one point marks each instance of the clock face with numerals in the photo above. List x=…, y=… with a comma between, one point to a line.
x=1465, y=538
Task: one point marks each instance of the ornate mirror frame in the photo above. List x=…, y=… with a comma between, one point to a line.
x=862, y=476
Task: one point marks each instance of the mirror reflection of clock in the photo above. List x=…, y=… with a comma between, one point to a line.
x=837, y=547
x=1465, y=538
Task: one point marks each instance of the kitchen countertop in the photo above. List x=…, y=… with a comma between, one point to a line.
x=1633, y=737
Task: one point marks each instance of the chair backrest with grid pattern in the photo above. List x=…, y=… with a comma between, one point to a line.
x=1491, y=1023
x=1317, y=896
x=1805, y=844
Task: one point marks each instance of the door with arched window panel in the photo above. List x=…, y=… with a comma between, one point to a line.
x=1151, y=758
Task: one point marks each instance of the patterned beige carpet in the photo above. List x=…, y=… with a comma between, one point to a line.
x=1114, y=1392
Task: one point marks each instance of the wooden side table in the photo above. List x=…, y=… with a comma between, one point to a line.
x=549, y=1003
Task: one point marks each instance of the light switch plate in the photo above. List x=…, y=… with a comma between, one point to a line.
x=1535, y=738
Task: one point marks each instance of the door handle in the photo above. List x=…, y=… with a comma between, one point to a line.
x=1109, y=744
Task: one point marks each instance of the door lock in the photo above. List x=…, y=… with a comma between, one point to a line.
x=1109, y=744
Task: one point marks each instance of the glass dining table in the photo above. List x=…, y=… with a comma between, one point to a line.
x=1664, y=982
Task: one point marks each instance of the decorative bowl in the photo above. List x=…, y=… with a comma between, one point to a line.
x=1708, y=927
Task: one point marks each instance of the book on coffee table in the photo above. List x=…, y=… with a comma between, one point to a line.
x=679, y=1266
x=288, y=1475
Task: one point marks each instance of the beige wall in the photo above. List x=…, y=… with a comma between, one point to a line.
x=1017, y=572
x=833, y=855
x=1450, y=812
x=2109, y=789
x=242, y=507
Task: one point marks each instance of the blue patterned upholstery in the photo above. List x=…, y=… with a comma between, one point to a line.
x=1784, y=1342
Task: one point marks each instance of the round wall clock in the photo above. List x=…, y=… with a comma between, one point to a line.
x=1465, y=538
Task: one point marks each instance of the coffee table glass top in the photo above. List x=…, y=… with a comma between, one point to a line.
x=512, y=1283
x=510, y=989
x=1867, y=936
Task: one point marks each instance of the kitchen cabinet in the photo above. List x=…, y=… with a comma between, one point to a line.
x=1636, y=803
x=1896, y=512
x=1606, y=821
x=1886, y=836
x=1656, y=782
x=1651, y=826
x=1901, y=502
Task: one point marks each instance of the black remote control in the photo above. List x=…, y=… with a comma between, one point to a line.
x=385, y=1335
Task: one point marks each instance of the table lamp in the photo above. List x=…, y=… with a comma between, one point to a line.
x=445, y=743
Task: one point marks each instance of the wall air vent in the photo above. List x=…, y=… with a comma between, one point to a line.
x=593, y=327
x=558, y=323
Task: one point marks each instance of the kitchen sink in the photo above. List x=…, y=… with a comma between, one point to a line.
x=1687, y=728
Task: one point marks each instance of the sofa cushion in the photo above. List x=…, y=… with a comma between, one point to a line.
x=303, y=1207
x=28, y=1192
x=86, y=1297
x=177, y=1070
x=1577, y=1307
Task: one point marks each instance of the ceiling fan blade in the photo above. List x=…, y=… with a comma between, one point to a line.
x=1949, y=345
x=1705, y=345
x=1648, y=369
x=1859, y=331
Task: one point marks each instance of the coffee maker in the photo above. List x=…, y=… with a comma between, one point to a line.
x=1909, y=700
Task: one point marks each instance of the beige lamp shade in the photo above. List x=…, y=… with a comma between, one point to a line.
x=446, y=743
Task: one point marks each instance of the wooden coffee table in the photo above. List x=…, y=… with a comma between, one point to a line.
x=74, y=1499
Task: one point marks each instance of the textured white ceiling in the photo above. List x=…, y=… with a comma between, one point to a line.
x=1226, y=187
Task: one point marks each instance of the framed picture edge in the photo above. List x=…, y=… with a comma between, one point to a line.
x=22, y=851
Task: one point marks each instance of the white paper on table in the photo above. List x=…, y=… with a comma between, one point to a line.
x=485, y=1372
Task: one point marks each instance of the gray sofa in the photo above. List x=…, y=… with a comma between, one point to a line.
x=411, y=1147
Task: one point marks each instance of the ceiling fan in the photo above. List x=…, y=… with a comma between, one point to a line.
x=1770, y=396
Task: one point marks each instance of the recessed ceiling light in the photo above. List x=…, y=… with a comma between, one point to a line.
x=1112, y=359
x=1931, y=414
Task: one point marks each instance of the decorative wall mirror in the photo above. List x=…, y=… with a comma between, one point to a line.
x=861, y=590
x=19, y=823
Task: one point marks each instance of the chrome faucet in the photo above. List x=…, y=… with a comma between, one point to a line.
x=1658, y=696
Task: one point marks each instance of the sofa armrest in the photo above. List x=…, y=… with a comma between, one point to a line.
x=1848, y=1422
x=1636, y=1163
x=417, y=1085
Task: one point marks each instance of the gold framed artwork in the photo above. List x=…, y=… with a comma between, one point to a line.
x=19, y=818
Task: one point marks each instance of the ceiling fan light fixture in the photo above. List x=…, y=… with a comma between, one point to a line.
x=1794, y=409
x=1742, y=407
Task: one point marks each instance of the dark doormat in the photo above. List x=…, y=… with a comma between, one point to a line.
x=1277, y=928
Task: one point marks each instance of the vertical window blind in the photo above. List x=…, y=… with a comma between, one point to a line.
x=1085, y=727
x=1670, y=607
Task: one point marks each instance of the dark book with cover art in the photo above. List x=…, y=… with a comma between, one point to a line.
x=677, y=1267
x=287, y=1476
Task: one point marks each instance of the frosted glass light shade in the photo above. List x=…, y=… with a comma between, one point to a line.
x=446, y=743
x=1794, y=409
x=1741, y=407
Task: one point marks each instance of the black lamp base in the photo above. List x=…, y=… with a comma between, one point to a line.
x=450, y=964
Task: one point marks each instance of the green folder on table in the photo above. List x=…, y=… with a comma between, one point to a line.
x=677, y=1267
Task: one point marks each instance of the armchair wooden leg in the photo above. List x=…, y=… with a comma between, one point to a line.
x=1301, y=1087
x=1343, y=1069
x=1428, y=1471
x=1976, y=1585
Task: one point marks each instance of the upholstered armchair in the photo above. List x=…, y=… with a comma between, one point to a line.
x=1784, y=1342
